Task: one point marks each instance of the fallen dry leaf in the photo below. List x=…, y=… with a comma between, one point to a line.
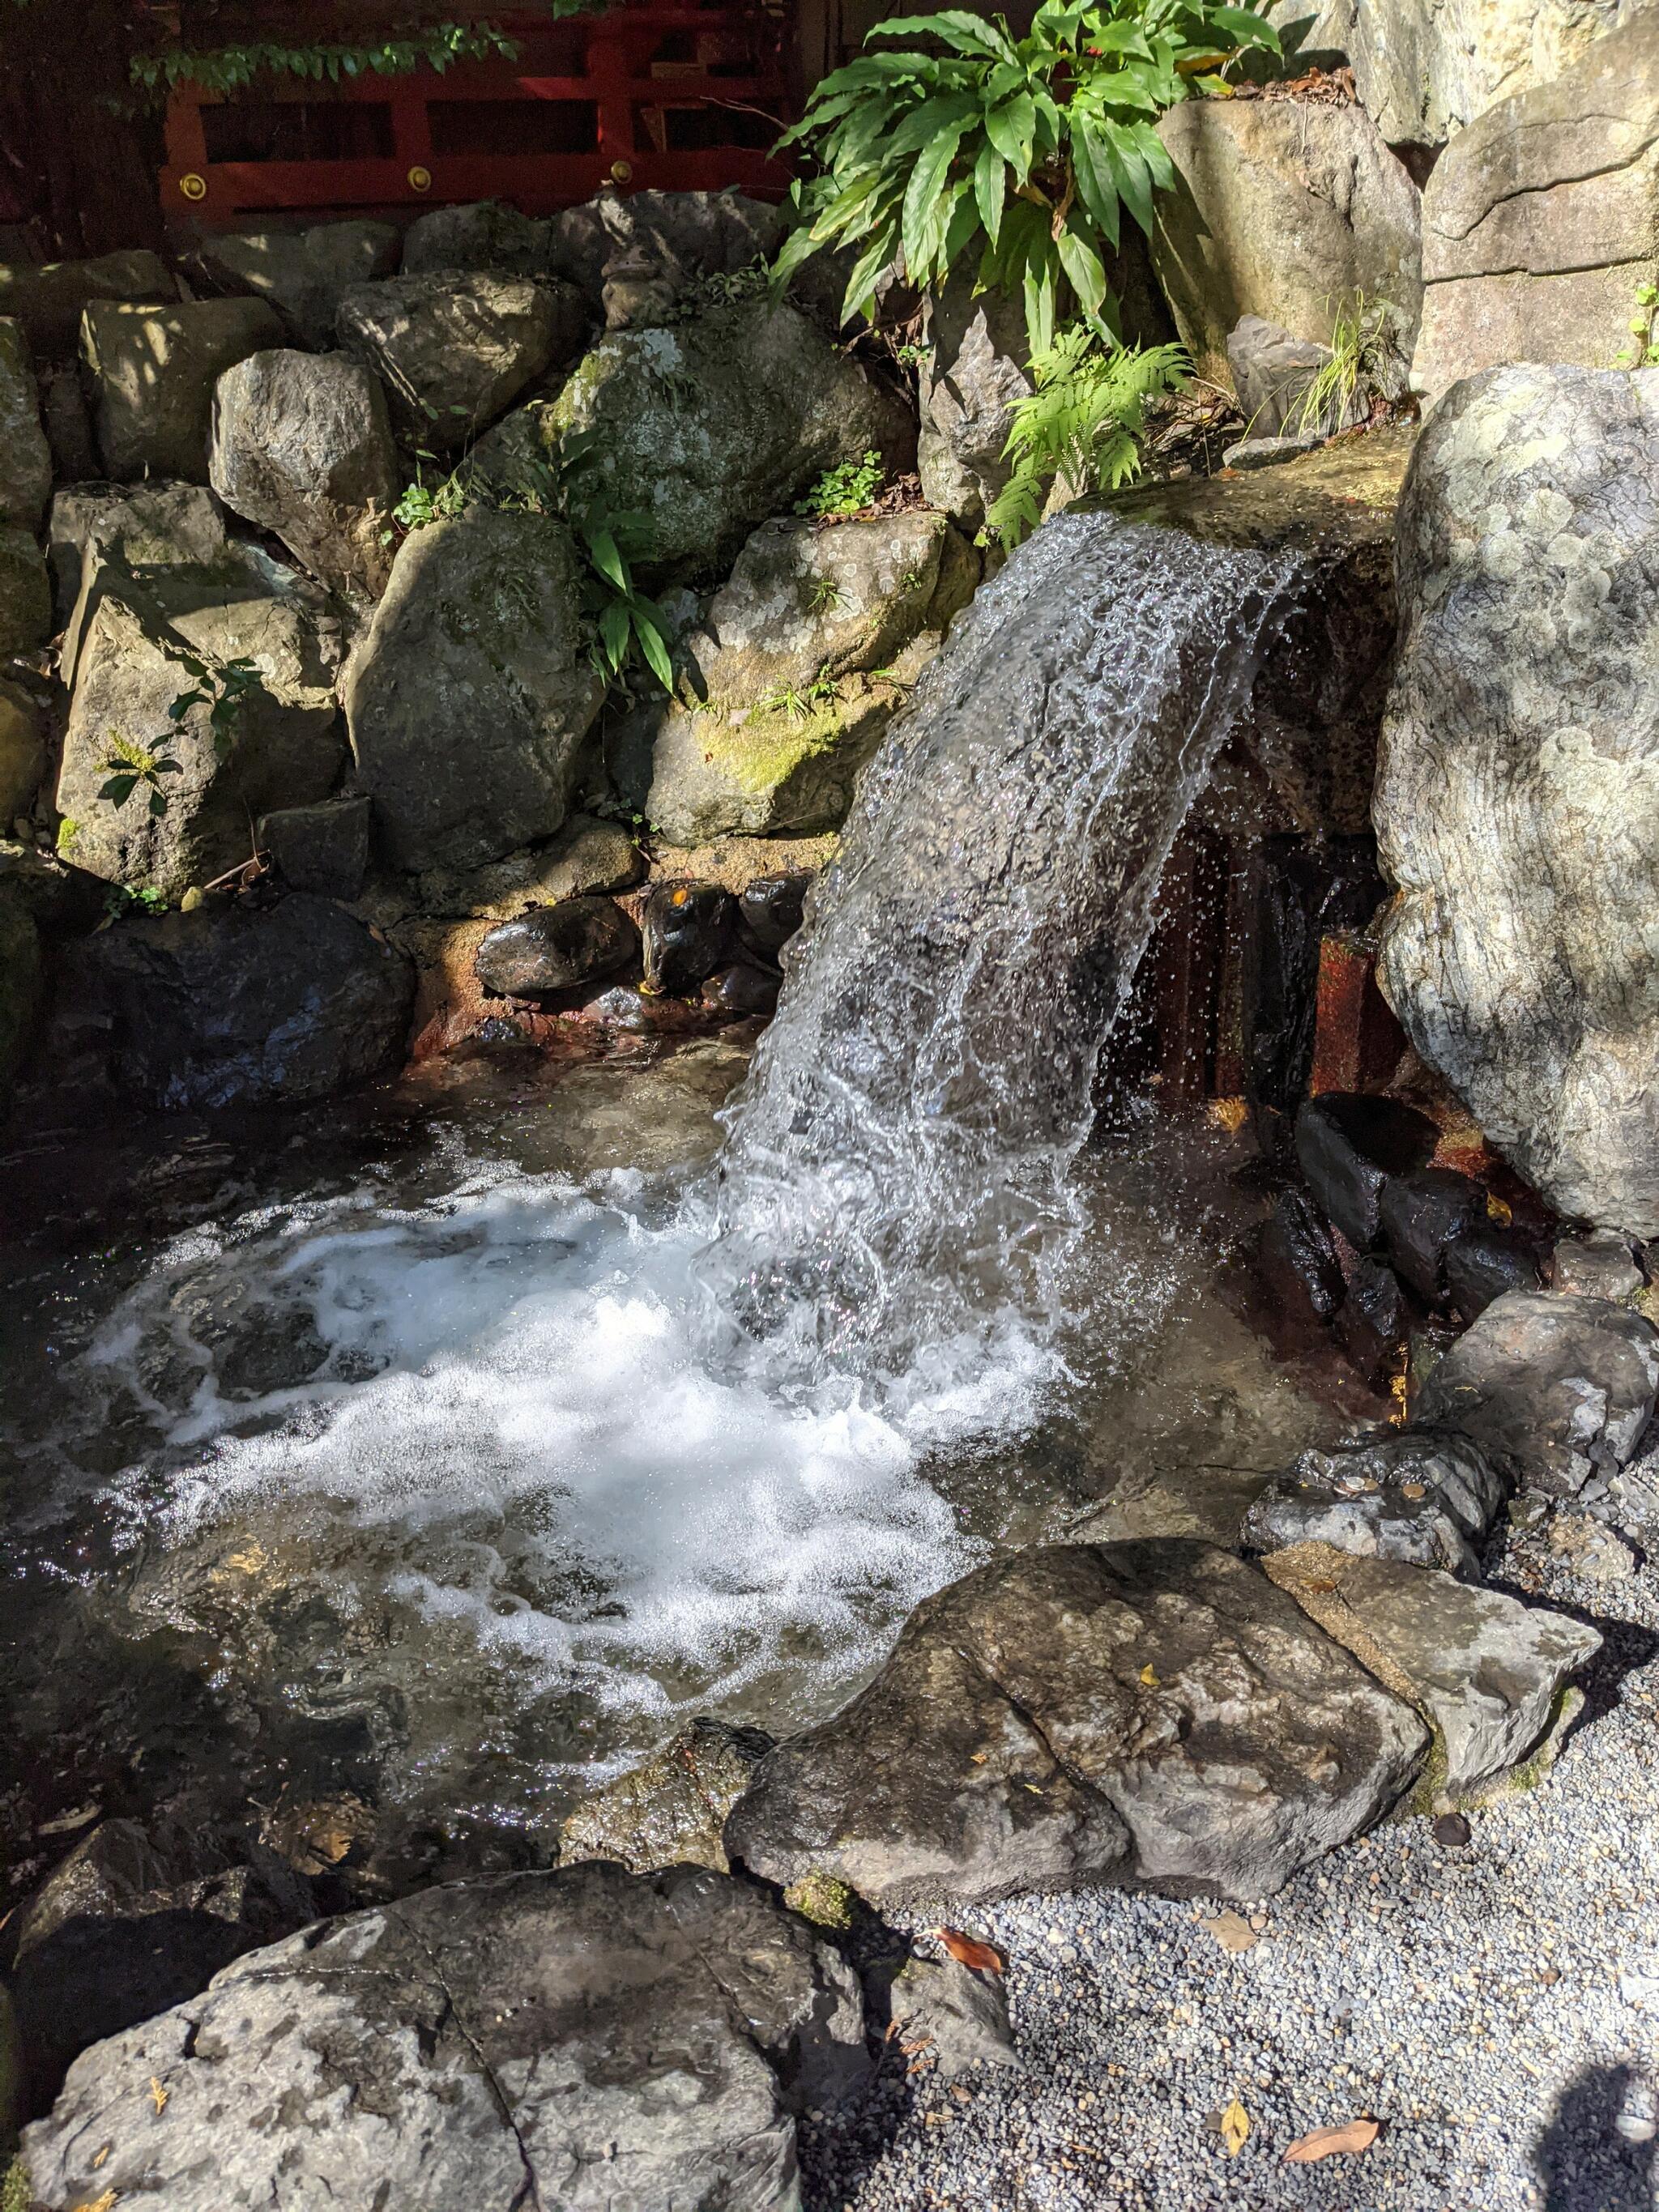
x=1232, y=1931
x=96, y=2203
x=1330, y=2142
x=968, y=1953
x=1235, y=2127
x=1149, y=1676
x=158, y=2095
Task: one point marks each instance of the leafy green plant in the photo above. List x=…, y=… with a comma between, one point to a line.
x=223, y=687
x=67, y=830
x=845, y=490
x=1027, y=149
x=1645, y=329
x=825, y=596
x=798, y=704
x=130, y=766
x=1083, y=421
x=229, y=68
x=1358, y=357
x=120, y=899
x=422, y=502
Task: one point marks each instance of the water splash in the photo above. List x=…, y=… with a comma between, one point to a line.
x=895, y=1179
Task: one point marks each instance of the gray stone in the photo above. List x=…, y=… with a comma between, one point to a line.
x=707, y=429
x=1285, y=211
x=1153, y=1713
x=1349, y=1146
x=246, y=1005
x=1487, y=1672
x=469, y=698
x=134, y=1920
x=1269, y=453
x=50, y=300
x=1542, y=219
x=959, y=2017
x=22, y=752
x=975, y=366
x=1520, y=741
x=153, y=371
x=286, y=747
x=585, y=2039
x=145, y=527
x=25, y=592
x=669, y=1811
x=25, y=456
x=322, y=847
x=483, y=236
x=454, y=350
x=585, y=855
x=301, y=444
x=1556, y=1390
x=1426, y=1499
x=1273, y=373
x=556, y=948
x=685, y=236
x=303, y=274
x=783, y=703
x=1599, y=1266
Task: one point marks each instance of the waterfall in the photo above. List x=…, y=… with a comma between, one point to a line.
x=895, y=1168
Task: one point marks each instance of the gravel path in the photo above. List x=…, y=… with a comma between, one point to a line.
x=1496, y=2007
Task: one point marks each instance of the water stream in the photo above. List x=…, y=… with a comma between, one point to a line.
x=473, y=1432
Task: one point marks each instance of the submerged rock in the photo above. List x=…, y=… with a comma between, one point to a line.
x=1152, y=1713
x=583, y=2038
x=1555, y=1389
x=669, y=1811
x=556, y=948
x=1486, y=1671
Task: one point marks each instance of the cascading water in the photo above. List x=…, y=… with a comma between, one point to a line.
x=895, y=1177
x=506, y=1466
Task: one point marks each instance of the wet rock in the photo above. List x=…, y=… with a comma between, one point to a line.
x=1250, y=175
x=22, y=752
x=687, y=930
x=556, y=948
x=587, y=2037
x=480, y=236
x=1148, y=1713
x=1272, y=373
x=50, y=300
x=453, y=350
x=671, y=1811
x=801, y=661
x=587, y=854
x=1422, y=1215
x=301, y=444
x=1555, y=1389
x=25, y=593
x=1374, y=1320
x=287, y=747
x=1515, y=951
x=152, y=372
x=1488, y=1672
x=1269, y=453
x=1599, y=1266
x=303, y=274
x=708, y=428
x=25, y=457
x=1538, y=222
x=469, y=698
x=1297, y=1262
x=1484, y=1263
x=322, y=849
x=246, y=1006
x=961, y=2017
x=740, y=991
x=1348, y=1146
x=770, y=908
x=1425, y=1499
x=135, y=1920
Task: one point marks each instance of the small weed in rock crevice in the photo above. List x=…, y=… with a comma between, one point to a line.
x=845, y=490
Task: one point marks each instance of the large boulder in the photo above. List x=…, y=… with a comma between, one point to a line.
x=246, y=1006
x=1554, y=1388
x=696, y=234
x=286, y=747
x=1542, y=220
x=25, y=456
x=797, y=669
x=132, y=1921
x=301, y=444
x=145, y=527
x=1487, y=1672
x=25, y=592
x=585, y=2039
x=469, y=697
x=1517, y=791
x=152, y=371
x=50, y=300
x=479, y=236
x=454, y=349
x=1151, y=1713
x=708, y=428
x=304, y=273
x=1288, y=211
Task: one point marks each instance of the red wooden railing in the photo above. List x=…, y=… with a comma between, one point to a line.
x=682, y=98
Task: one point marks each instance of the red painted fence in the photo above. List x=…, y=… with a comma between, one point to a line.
x=681, y=98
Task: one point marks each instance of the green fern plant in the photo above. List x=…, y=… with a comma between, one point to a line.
x=1083, y=421
x=965, y=139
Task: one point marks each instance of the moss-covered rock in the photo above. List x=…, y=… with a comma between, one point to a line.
x=708, y=427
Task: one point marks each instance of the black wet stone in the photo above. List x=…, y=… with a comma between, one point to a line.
x=1422, y=1215
x=1348, y=1147
x=689, y=930
x=741, y=990
x=1297, y=1260
x=1375, y=1318
x=1484, y=1263
x=556, y=948
x=769, y=909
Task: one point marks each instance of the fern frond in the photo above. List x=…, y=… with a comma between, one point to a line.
x=1083, y=421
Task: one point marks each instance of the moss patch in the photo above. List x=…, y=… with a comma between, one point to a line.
x=821, y=1897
